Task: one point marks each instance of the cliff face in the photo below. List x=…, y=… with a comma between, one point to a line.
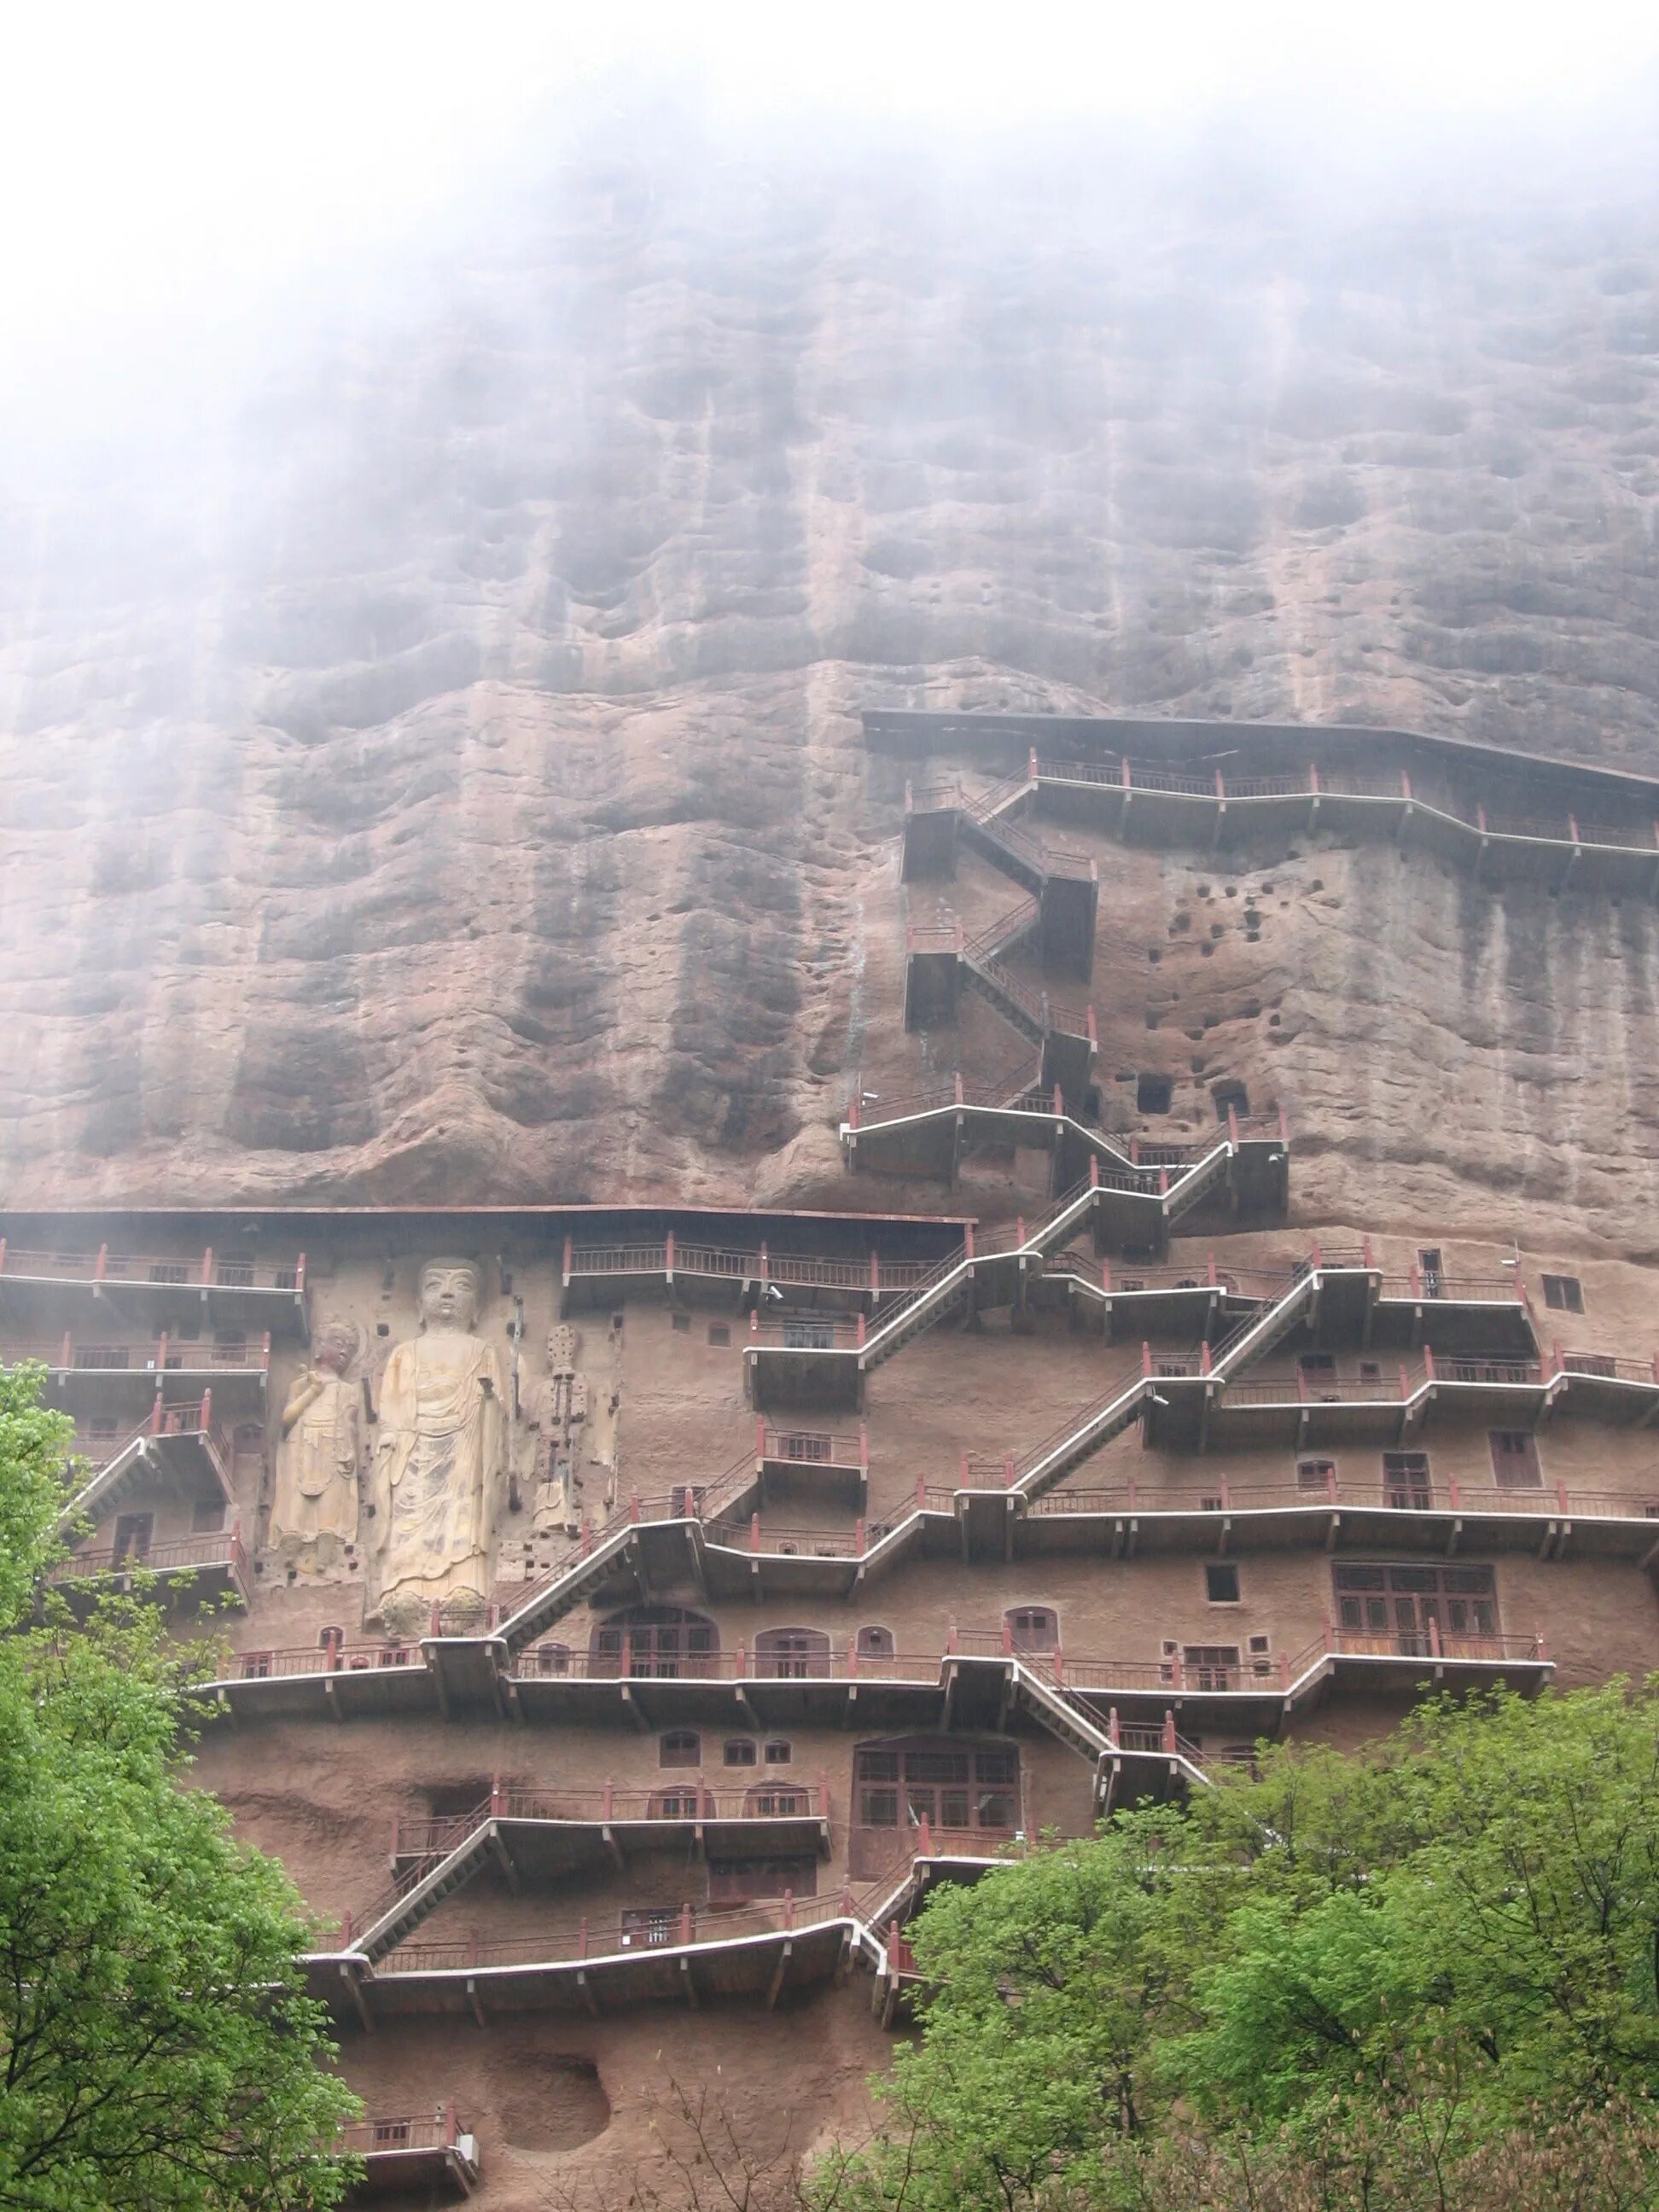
x=447, y=785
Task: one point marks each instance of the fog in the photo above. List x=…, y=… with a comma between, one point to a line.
x=187, y=191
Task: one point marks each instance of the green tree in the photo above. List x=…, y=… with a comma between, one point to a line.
x=1403, y=1978
x=157, y=2048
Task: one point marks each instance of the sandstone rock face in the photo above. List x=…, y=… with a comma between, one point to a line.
x=447, y=785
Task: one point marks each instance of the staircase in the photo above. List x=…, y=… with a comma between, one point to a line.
x=389, y=1925
x=1083, y=1434
x=1053, y=1710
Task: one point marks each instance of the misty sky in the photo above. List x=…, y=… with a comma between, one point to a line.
x=164, y=169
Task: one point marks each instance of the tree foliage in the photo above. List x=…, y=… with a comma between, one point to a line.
x=1426, y=1975
x=157, y=2049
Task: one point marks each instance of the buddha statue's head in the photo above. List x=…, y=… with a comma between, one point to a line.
x=451, y=1293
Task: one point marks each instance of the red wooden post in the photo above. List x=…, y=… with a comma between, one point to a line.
x=824, y=1797
x=1283, y=1670
x=924, y=1838
x=1211, y=1276
x=1456, y=1495
x=743, y=1660
x=1416, y=1280
x=1111, y=1726
x=1007, y=1470
x=627, y=1653
x=1060, y=1668
x=1123, y=766
x=66, y=1350
x=1405, y=1382
x=1169, y=1730
x=1204, y=1358
x=2, y=1256
x=858, y=1536
x=1180, y=1669
x=207, y=1411
x=102, y=1267
x=1031, y=764
x=633, y=1511
x=864, y=1448
x=968, y=1241
x=300, y=1274
x=581, y=1938
x=1330, y=1482
x=875, y=1276
x=1561, y=1497
x=1134, y=1151
x=497, y=1798
x=860, y=1333
x=1232, y=1124
x=685, y=1923
x=1220, y=787
x=1226, y=1495
x=1164, y=1182
x=1434, y=1637
x=1316, y=1257
x=1007, y=1638
x=1313, y=777
x=956, y=1088
x=1428, y=1361
x=1145, y=1356
x=754, y=1532
x=950, y=1644
x=473, y=1949
x=1481, y=817
x=1554, y=1367
x=1059, y=1103
x=345, y=1930
x=1106, y=1277
x=921, y=1486
x=450, y=2125
x=1019, y=1231
x=788, y=1908
x=207, y=1265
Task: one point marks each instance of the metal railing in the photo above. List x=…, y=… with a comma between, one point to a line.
x=183, y=1554
x=157, y=1355
x=204, y=1270
x=419, y=2131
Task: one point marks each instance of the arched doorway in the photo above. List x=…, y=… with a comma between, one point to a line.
x=968, y=1792
x=664, y=1641
x=791, y=1653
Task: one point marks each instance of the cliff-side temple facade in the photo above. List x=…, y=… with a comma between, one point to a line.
x=644, y=1607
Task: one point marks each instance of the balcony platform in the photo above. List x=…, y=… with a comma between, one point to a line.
x=428, y=2156
x=104, y=1293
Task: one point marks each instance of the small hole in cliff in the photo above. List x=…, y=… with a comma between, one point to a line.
x=1273, y=1020
x=1151, y=1019
x=1153, y=954
x=1207, y=950
x=1293, y=854
x=1217, y=929
x=1204, y=890
x=1317, y=885
x=1232, y=891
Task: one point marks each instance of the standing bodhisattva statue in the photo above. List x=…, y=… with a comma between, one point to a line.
x=314, y=1507
x=440, y=1463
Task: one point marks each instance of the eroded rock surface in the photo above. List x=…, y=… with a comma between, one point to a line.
x=447, y=785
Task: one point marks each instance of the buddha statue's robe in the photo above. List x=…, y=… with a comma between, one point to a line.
x=437, y=1466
